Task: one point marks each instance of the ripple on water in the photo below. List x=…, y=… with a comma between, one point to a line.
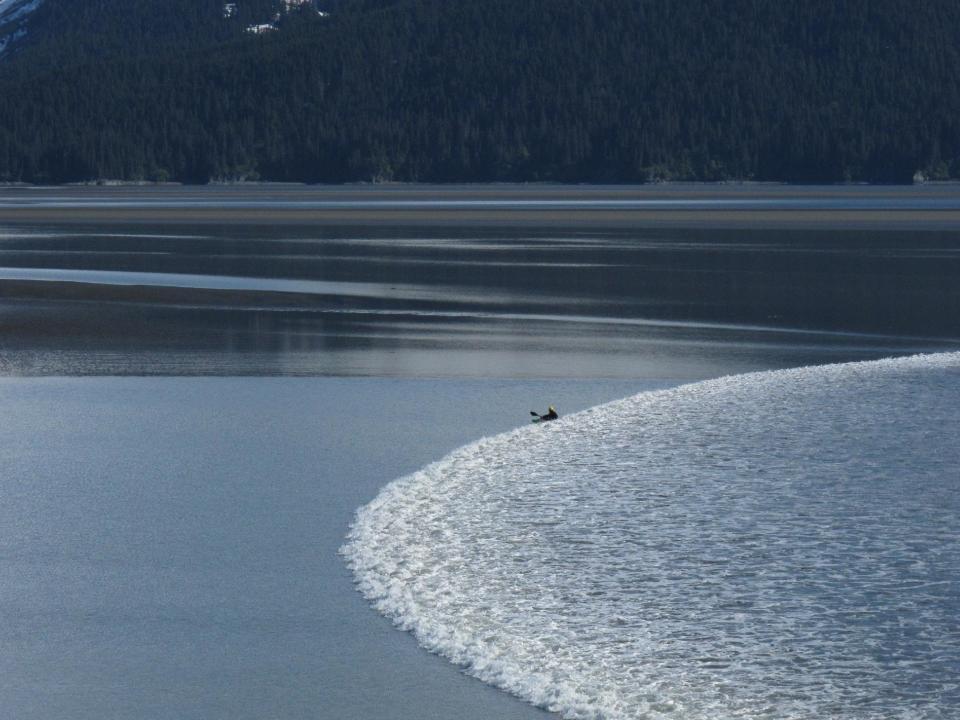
x=773, y=545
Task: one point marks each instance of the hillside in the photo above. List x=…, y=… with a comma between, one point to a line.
x=485, y=90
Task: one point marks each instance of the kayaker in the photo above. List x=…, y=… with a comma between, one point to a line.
x=551, y=414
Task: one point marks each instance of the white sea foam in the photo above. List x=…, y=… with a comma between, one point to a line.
x=774, y=545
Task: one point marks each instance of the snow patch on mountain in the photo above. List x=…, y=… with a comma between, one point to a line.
x=285, y=7
x=13, y=17
x=13, y=10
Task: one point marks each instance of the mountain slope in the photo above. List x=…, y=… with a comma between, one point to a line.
x=479, y=90
x=68, y=32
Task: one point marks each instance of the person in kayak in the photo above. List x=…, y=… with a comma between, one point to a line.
x=550, y=415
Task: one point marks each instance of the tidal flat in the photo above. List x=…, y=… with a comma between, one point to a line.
x=746, y=205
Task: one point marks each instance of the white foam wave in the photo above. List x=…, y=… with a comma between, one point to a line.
x=775, y=545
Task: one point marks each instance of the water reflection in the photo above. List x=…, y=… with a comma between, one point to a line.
x=530, y=302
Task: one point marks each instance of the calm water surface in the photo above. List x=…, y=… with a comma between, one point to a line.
x=537, y=300
x=168, y=546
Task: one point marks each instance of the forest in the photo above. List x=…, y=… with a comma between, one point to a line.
x=573, y=91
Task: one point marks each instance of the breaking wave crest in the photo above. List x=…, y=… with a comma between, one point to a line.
x=773, y=545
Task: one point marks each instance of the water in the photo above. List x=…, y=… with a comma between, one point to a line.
x=767, y=546
x=781, y=544
x=271, y=196
x=168, y=545
x=488, y=295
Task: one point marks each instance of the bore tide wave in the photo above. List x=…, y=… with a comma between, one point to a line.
x=773, y=545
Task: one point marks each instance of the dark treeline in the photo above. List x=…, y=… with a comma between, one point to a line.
x=487, y=90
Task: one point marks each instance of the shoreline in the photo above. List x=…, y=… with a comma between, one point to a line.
x=106, y=183
x=764, y=206
x=731, y=219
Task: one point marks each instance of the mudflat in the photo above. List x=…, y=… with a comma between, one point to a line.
x=695, y=205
